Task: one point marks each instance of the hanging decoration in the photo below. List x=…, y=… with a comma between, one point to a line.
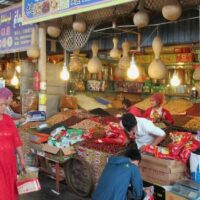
x=115, y=53
x=133, y=71
x=172, y=10
x=75, y=64
x=141, y=18
x=124, y=62
x=79, y=26
x=94, y=64
x=33, y=51
x=53, y=31
x=157, y=69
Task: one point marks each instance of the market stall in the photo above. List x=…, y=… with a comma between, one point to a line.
x=71, y=142
x=81, y=62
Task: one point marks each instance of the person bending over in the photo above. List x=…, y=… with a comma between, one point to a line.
x=119, y=173
x=143, y=130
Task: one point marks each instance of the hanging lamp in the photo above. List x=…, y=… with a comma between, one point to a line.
x=175, y=81
x=64, y=74
x=15, y=80
x=133, y=71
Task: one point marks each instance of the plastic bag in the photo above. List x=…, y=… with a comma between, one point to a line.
x=159, y=152
x=27, y=182
x=179, y=140
x=29, y=101
x=164, y=153
x=149, y=149
x=191, y=145
x=28, y=185
x=120, y=140
x=149, y=193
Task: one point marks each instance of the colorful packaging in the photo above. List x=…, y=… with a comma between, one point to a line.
x=57, y=131
x=179, y=140
x=28, y=185
x=190, y=146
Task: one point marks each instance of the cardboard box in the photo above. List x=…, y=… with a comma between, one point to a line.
x=161, y=171
x=172, y=196
x=56, y=153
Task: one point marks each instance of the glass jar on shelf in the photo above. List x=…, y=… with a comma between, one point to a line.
x=100, y=76
x=111, y=74
x=106, y=74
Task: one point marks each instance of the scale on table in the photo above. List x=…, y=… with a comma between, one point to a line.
x=187, y=189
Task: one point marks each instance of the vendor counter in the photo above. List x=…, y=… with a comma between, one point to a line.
x=84, y=162
x=51, y=162
x=161, y=171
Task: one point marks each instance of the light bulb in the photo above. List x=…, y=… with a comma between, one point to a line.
x=18, y=68
x=64, y=75
x=175, y=81
x=193, y=88
x=15, y=80
x=133, y=71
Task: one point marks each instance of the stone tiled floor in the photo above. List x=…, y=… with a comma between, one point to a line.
x=46, y=194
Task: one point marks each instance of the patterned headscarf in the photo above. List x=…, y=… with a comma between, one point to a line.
x=5, y=93
x=158, y=97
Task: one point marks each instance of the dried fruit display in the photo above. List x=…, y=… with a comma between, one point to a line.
x=29, y=125
x=177, y=106
x=194, y=110
x=86, y=124
x=143, y=105
x=61, y=116
x=193, y=124
x=180, y=120
x=108, y=148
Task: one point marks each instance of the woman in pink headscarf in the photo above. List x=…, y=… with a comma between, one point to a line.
x=156, y=112
x=8, y=95
x=10, y=143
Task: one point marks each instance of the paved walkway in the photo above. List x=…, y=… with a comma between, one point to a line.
x=46, y=194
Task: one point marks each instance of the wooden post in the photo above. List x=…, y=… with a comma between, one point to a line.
x=42, y=66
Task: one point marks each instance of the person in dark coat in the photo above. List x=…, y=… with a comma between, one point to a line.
x=119, y=174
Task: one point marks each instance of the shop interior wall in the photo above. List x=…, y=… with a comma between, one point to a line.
x=26, y=80
x=55, y=87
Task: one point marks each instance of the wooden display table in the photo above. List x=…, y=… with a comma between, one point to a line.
x=44, y=160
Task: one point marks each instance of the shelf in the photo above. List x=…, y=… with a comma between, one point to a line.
x=188, y=65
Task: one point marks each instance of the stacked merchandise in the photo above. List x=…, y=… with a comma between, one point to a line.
x=180, y=147
x=25, y=130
